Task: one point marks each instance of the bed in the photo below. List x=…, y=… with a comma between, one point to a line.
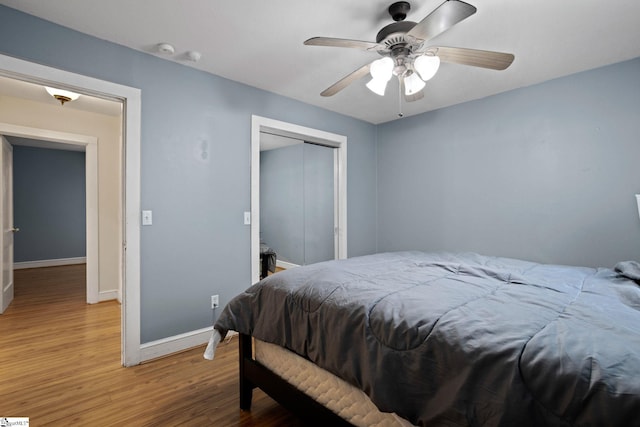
x=447, y=339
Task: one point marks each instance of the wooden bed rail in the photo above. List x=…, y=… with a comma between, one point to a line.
x=253, y=374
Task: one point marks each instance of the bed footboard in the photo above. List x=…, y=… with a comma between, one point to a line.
x=253, y=374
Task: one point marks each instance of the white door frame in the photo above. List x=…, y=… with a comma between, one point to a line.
x=289, y=130
x=131, y=100
x=90, y=147
x=6, y=223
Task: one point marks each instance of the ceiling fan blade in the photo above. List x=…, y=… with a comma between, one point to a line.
x=473, y=57
x=346, y=81
x=333, y=42
x=441, y=19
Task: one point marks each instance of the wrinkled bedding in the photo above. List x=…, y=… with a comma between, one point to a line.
x=460, y=339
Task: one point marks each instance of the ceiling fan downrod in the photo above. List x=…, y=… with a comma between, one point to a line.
x=399, y=10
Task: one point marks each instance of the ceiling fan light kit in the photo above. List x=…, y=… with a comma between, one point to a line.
x=377, y=86
x=405, y=53
x=427, y=66
x=413, y=84
x=381, y=71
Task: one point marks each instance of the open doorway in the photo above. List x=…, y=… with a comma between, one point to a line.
x=49, y=205
x=44, y=138
x=49, y=213
x=130, y=100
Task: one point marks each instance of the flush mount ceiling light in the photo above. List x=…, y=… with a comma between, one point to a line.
x=62, y=95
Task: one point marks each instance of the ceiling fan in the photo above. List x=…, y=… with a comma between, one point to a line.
x=405, y=53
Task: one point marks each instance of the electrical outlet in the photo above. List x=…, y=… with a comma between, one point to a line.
x=215, y=302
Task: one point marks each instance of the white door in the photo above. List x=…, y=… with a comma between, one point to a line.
x=6, y=219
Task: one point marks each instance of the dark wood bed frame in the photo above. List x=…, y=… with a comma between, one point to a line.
x=253, y=374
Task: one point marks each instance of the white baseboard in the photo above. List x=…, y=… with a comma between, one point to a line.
x=107, y=296
x=174, y=344
x=49, y=263
x=285, y=265
x=166, y=346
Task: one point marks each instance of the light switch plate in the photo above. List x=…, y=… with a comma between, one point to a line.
x=147, y=218
x=247, y=218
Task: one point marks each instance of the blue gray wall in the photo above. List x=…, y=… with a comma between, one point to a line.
x=48, y=203
x=545, y=173
x=297, y=202
x=195, y=171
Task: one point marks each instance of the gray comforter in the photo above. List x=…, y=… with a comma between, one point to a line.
x=445, y=339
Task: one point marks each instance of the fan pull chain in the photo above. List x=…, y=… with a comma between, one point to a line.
x=400, y=98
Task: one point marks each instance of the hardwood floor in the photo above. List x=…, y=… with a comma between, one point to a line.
x=60, y=365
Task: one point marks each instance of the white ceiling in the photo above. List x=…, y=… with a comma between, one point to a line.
x=259, y=42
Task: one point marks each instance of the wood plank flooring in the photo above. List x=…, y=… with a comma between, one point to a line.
x=60, y=365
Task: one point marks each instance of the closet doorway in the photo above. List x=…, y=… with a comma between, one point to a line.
x=297, y=200
x=306, y=217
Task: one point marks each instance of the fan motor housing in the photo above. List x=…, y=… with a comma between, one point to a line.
x=394, y=33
